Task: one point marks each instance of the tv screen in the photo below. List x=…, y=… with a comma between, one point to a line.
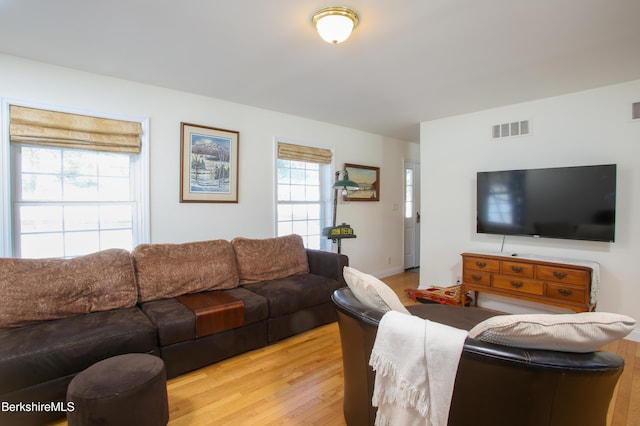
x=577, y=203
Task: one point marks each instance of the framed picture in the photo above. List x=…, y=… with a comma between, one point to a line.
x=367, y=178
x=208, y=164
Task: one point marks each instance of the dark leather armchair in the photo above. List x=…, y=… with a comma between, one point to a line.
x=495, y=385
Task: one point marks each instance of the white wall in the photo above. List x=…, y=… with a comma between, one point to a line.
x=590, y=127
x=378, y=225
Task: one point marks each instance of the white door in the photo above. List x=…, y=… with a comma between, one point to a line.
x=411, y=214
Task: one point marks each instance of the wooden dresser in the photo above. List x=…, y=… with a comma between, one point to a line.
x=544, y=281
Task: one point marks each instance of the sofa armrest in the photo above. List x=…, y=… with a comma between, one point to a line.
x=327, y=264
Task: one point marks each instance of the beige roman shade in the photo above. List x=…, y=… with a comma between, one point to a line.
x=64, y=130
x=288, y=151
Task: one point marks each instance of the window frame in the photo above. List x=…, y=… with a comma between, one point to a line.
x=326, y=194
x=139, y=174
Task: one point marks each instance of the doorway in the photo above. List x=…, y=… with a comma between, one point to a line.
x=411, y=214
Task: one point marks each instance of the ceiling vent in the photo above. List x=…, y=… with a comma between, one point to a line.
x=517, y=128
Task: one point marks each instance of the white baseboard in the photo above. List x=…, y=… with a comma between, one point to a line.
x=516, y=306
x=388, y=272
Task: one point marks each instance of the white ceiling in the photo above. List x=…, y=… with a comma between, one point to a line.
x=408, y=61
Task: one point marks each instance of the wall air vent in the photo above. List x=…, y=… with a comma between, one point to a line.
x=517, y=128
x=635, y=110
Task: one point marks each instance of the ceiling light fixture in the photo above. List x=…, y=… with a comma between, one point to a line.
x=335, y=23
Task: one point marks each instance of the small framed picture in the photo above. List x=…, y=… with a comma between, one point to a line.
x=208, y=164
x=368, y=180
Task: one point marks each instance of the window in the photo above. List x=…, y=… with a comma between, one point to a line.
x=71, y=202
x=303, y=199
x=408, y=193
x=73, y=199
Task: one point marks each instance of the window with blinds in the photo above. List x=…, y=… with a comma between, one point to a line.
x=303, y=193
x=76, y=183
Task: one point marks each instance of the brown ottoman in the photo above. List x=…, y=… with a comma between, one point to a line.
x=123, y=390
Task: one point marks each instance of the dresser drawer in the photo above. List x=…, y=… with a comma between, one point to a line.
x=481, y=264
x=563, y=275
x=519, y=285
x=567, y=294
x=517, y=269
x=476, y=277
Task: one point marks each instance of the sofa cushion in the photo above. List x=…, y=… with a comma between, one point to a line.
x=270, y=258
x=372, y=292
x=177, y=323
x=294, y=293
x=35, y=290
x=580, y=332
x=169, y=270
x=49, y=350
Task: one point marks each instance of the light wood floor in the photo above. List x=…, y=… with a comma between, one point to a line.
x=299, y=382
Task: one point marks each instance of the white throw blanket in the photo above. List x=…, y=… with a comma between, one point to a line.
x=416, y=362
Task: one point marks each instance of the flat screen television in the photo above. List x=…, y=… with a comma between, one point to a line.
x=577, y=203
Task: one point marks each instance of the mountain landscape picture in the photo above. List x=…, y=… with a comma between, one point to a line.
x=210, y=164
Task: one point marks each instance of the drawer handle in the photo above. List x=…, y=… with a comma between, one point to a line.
x=476, y=277
x=481, y=264
x=517, y=269
x=516, y=284
x=559, y=275
x=564, y=292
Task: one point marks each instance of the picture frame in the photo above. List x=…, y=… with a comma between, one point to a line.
x=367, y=178
x=208, y=164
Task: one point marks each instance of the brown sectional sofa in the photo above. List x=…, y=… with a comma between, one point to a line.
x=58, y=317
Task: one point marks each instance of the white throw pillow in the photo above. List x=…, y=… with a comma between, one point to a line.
x=580, y=332
x=372, y=292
